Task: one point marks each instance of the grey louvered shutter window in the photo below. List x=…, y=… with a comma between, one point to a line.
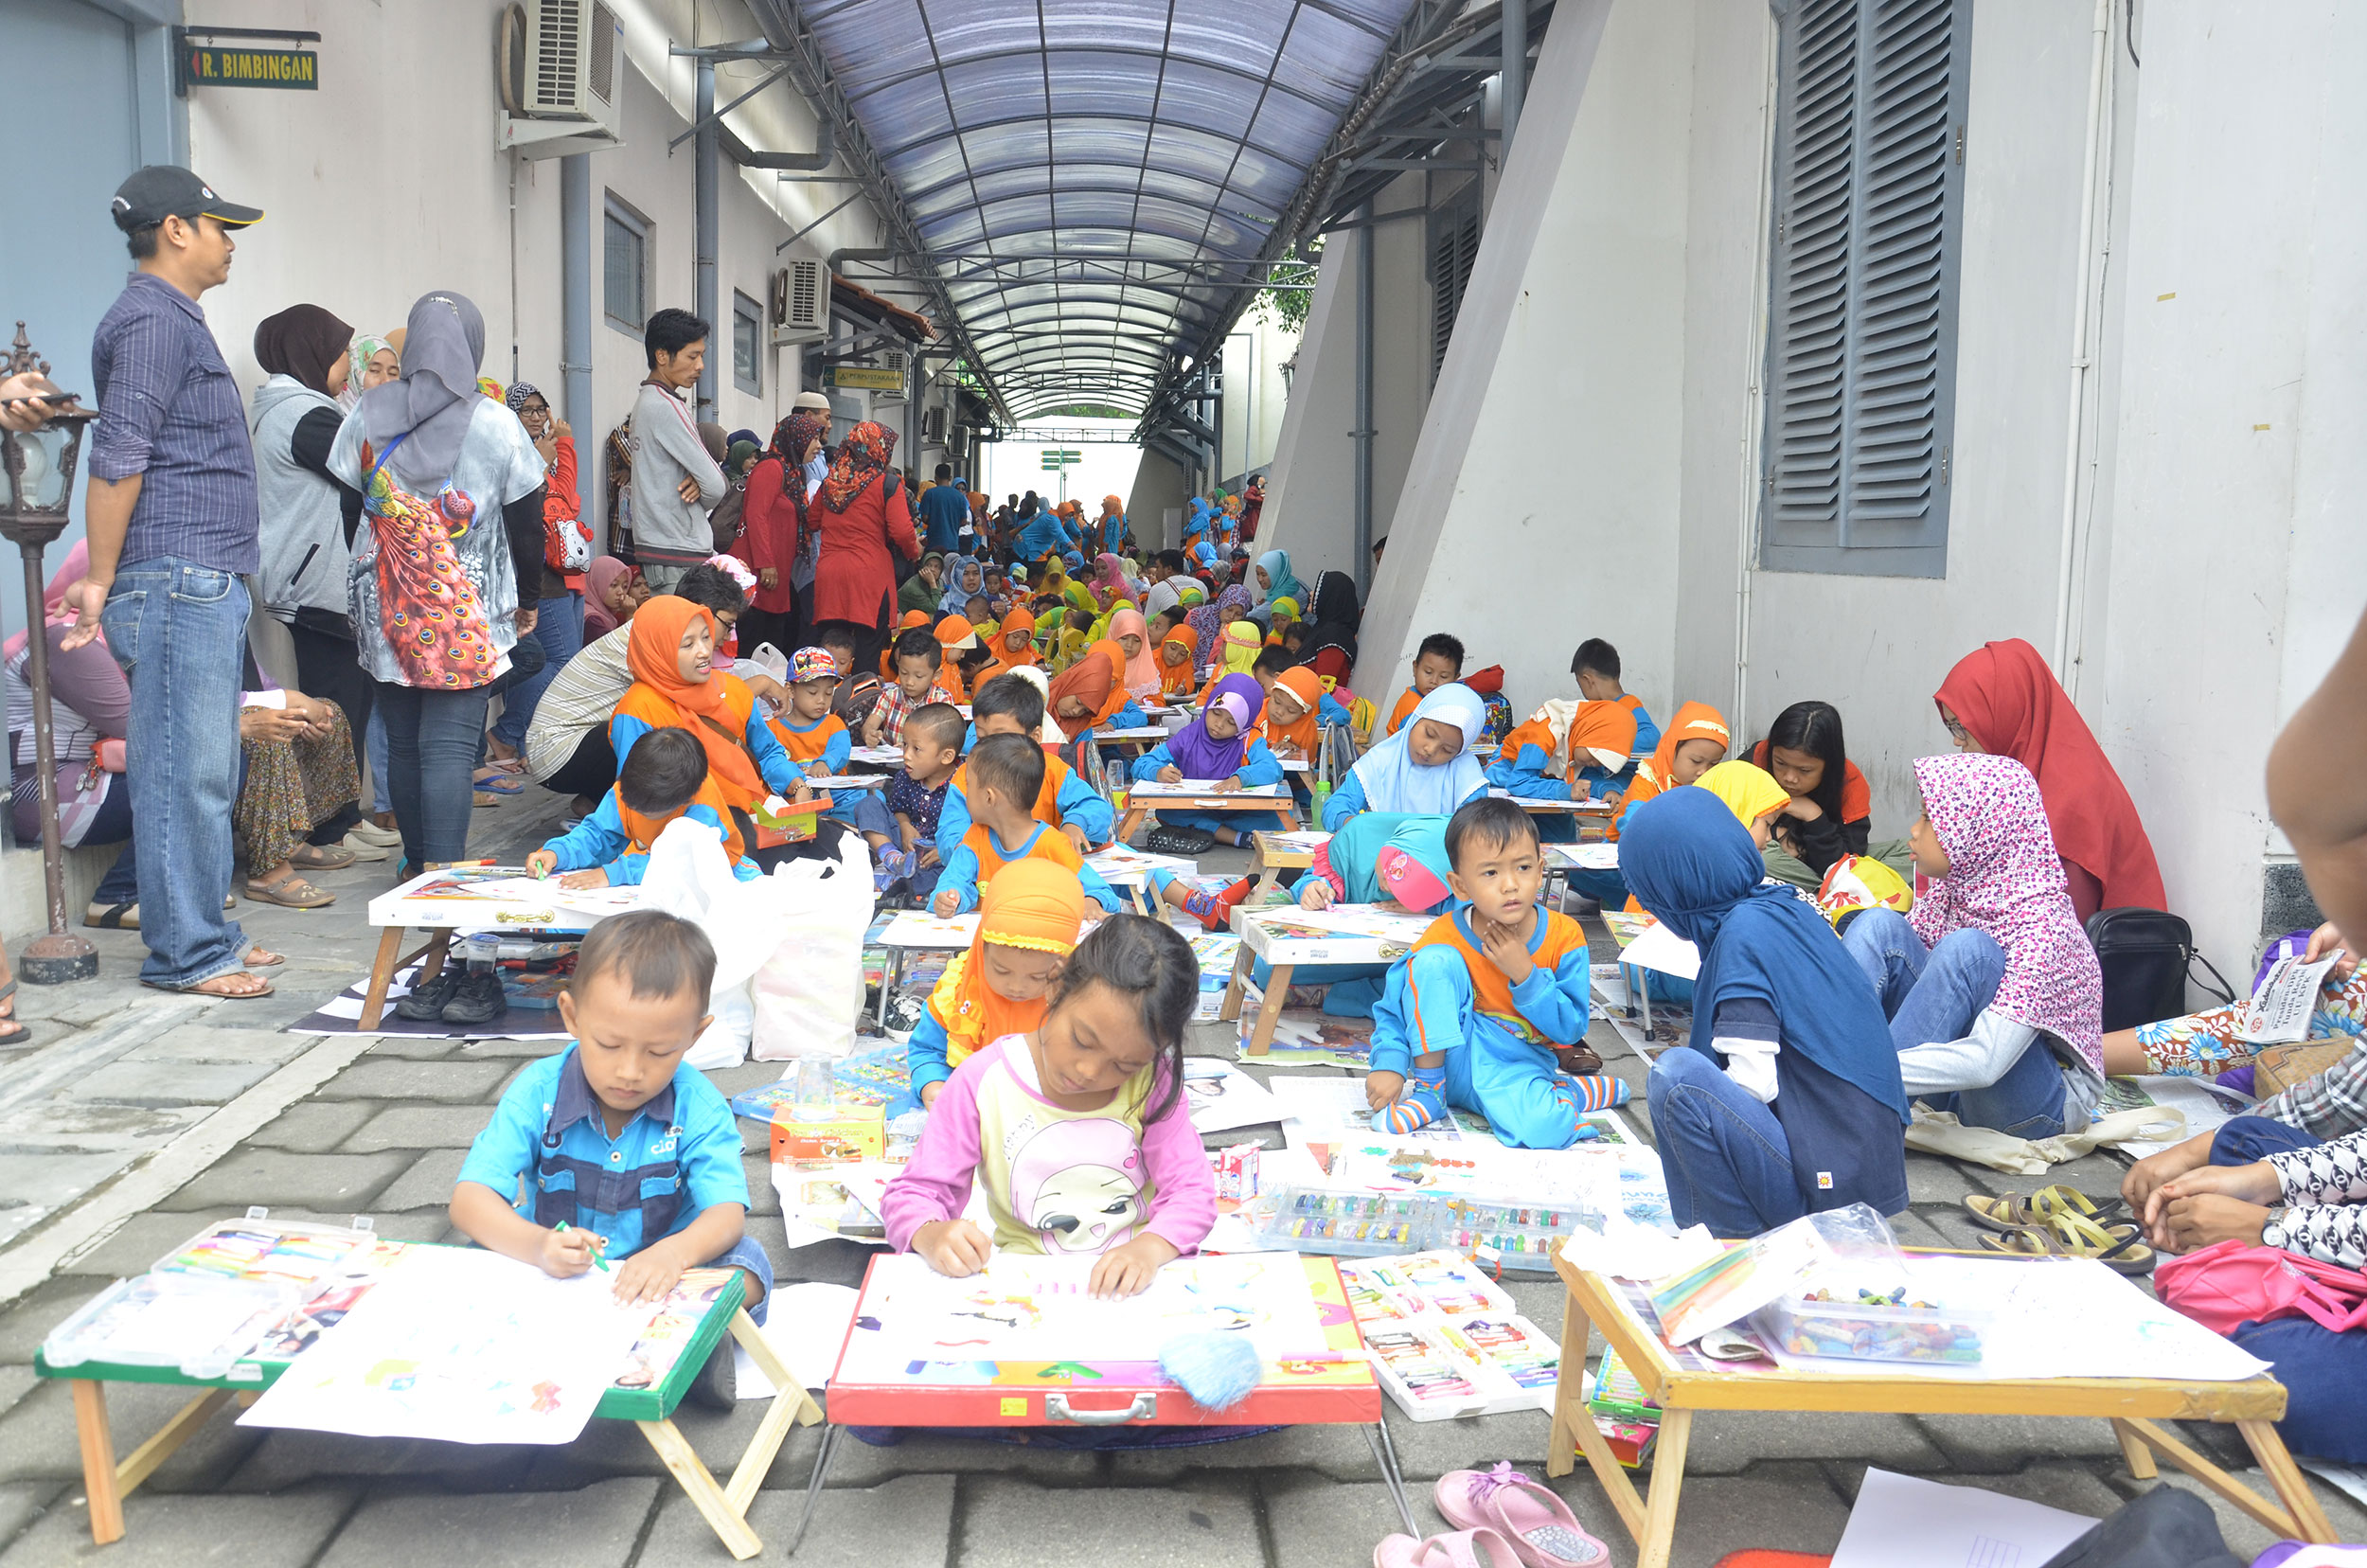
x=1862, y=335
x=1454, y=239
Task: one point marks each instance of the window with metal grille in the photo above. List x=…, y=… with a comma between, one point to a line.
x=1861, y=318
x=624, y=268
x=747, y=344
x=1454, y=238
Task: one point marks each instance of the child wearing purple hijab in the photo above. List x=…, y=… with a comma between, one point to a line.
x=1224, y=744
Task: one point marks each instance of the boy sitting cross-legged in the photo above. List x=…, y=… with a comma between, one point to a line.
x=663, y=778
x=615, y=1148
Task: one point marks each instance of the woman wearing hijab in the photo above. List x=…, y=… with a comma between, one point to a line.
x=1091, y=692
x=924, y=588
x=1275, y=581
x=1208, y=621
x=1786, y=1100
x=1426, y=768
x=294, y=420
x=1381, y=858
x=860, y=513
x=1334, y=615
x=965, y=580
x=676, y=685
x=370, y=362
x=1994, y=1001
x=2002, y=699
x=772, y=533
x=437, y=592
x=612, y=591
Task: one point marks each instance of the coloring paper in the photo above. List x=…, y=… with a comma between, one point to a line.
x=1220, y=1096
x=1151, y=789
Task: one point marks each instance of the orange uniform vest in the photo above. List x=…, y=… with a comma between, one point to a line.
x=1047, y=799
x=644, y=829
x=1613, y=728
x=1048, y=843
x=1491, y=993
x=806, y=746
x=652, y=709
x=1407, y=703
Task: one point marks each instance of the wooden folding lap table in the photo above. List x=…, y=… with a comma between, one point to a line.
x=1285, y=938
x=1682, y=1381
x=1140, y=804
x=724, y=1505
x=441, y=916
x=1108, y=1393
x=1271, y=853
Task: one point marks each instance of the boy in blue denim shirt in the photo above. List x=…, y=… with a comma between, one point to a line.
x=616, y=1139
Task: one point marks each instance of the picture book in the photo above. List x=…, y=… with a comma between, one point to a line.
x=1445, y=1340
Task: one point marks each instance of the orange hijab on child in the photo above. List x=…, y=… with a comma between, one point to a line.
x=1305, y=732
x=1037, y=904
x=887, y=656
x=1018, y=618
x=715, y=709
x=952, y=632
x=1177, y=679
x=1657, y=773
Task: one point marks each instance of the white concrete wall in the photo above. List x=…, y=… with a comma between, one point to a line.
x=1157, y=491
x=1254, y=396
x=1541, y=503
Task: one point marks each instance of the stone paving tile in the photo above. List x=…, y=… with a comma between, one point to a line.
x=33, y=1186
x=376, y=1078
x=1730, y=1442
x=426, y=1184
x=416, y=1126
x=1320, y=1524
x=596, y=1525
x=170, y=1083
x=72, y=1127
x=2067, y=1487
x=20, y=1501
x=37, y=1434
x=163, y=1531
x=2245, y=1537
x=1006, y=1522
x=1786, y=1507
x=407, y=1048
x=2003, y=1444
x=859, y=1464
x=284, y=1459
x=314, y=1127
x=905, y=1522
x=338, y=1182
x=15, y=1383
x=211, y=1042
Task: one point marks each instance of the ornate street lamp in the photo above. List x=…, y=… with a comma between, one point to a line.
x=36, y=490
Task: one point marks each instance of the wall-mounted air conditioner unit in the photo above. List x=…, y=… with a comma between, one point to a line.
x=558, y=67
x=892, y=359
x=933, y=424
x=801, y=303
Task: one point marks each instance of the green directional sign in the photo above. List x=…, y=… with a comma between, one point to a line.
x=1055, y=460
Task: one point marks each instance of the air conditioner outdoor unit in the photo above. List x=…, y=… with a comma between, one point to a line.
x=892, y=359
x=557, y=65
x=801, y=303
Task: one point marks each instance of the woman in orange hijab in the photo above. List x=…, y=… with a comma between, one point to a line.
x=676, y=685
x=1090, y=691
x=1029, y=920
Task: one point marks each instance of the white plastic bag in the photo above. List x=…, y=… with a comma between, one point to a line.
x=808, y=987
x=688, y=877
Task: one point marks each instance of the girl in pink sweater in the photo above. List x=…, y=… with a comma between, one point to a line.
x=1079, y=1130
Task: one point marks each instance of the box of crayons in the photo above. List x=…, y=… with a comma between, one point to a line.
x=1623, y=1412
x=1520, y=1237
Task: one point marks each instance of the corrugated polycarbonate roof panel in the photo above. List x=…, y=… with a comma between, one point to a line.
x=1096, y=131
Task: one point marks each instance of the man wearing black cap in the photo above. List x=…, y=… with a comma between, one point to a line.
x=172, y=517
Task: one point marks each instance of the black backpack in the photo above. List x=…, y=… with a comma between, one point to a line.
x=2146, y=955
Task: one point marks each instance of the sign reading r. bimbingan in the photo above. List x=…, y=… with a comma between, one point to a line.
x=203, y=66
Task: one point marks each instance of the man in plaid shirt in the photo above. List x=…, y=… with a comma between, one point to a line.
x=918, y=661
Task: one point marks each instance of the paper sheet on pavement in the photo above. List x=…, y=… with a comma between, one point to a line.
x=1222, y=1098
x=1626, y=1250
x=1658, y=948
x=1905, y=1522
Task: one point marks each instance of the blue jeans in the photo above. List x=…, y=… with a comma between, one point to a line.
x=179, y=630
x=1725, y=1155
x=2247, y=1140
x=382, y=799
x=432, y=743
x=1934, y=994
x=558, y=627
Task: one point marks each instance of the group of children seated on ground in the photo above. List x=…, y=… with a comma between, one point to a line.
x=1829, y=996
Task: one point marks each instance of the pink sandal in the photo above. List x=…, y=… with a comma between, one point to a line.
x=1536, y=1524
x=1480, y=1548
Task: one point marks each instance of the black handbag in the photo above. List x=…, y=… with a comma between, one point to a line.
x=2146, y=955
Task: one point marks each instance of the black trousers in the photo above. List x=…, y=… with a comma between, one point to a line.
x=590, y=771
x=768, y=626
x=329, y=667
x=870, y=641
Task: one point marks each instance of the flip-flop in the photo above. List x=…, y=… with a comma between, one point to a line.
x=1536, y=1524
x=13, y=1033
x=2014, y=1212
x=1480, y=1548
x=263, y=958
x=500, y=784
x=198, y=988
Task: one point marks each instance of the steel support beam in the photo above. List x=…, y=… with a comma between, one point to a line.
x=706, y=185
x=1362, y=434
x=1514, y=85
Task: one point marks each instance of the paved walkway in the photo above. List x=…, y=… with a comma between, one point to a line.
x=138, y=1116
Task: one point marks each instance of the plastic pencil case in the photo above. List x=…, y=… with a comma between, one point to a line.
x=255, y=1249
x=1859, y=1330
x=198, y=1323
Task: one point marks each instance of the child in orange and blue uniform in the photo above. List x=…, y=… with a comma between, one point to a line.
x=664, y=778
x=1005, y=774
x=1570, y=751
x=1013, y=704
x=818, y=740
x=1438, y=660
x=1492, y=1001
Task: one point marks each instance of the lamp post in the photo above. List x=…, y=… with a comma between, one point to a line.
x=36, y=490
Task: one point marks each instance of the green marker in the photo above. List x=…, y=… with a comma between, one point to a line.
x=599, y=1244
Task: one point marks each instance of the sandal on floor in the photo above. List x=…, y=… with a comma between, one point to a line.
x=2121, y=1249
x=290, y=892
x=499, y=783
x=1481, y=1548
x=211, y=986
x=318, y=857
x=263, y=958
x=1536, y=1524
x=122, y=916
x=2015, y=1211
x=12, y=1032
x=1182, y=842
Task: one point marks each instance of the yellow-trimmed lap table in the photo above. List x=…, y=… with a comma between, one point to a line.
x=1681, y=1382
x=1287, y=938
x=645, y=1394
x=1271, y=853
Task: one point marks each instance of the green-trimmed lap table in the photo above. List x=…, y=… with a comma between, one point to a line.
x=724, y=1505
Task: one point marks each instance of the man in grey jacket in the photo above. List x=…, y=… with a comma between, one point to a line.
x=675, y=482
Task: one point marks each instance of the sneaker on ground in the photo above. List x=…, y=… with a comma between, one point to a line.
x=370, y=833
x=904, y=1015
x=425, y=1003
x=365, y=850
x=479, y=998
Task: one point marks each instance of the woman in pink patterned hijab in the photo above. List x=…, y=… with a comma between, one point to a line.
x=1992, y=964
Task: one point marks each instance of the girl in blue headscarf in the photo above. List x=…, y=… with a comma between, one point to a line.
x=1380, y=857
x=1806, y=1113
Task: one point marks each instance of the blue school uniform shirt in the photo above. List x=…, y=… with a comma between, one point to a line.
x=835, y=751
x=601, y=840
x=1347, y=800
x=1526, y=774
x=764, y=747
x=1077, y=800
x=547, y=1152
x=961, y=868
x=1553, y=999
